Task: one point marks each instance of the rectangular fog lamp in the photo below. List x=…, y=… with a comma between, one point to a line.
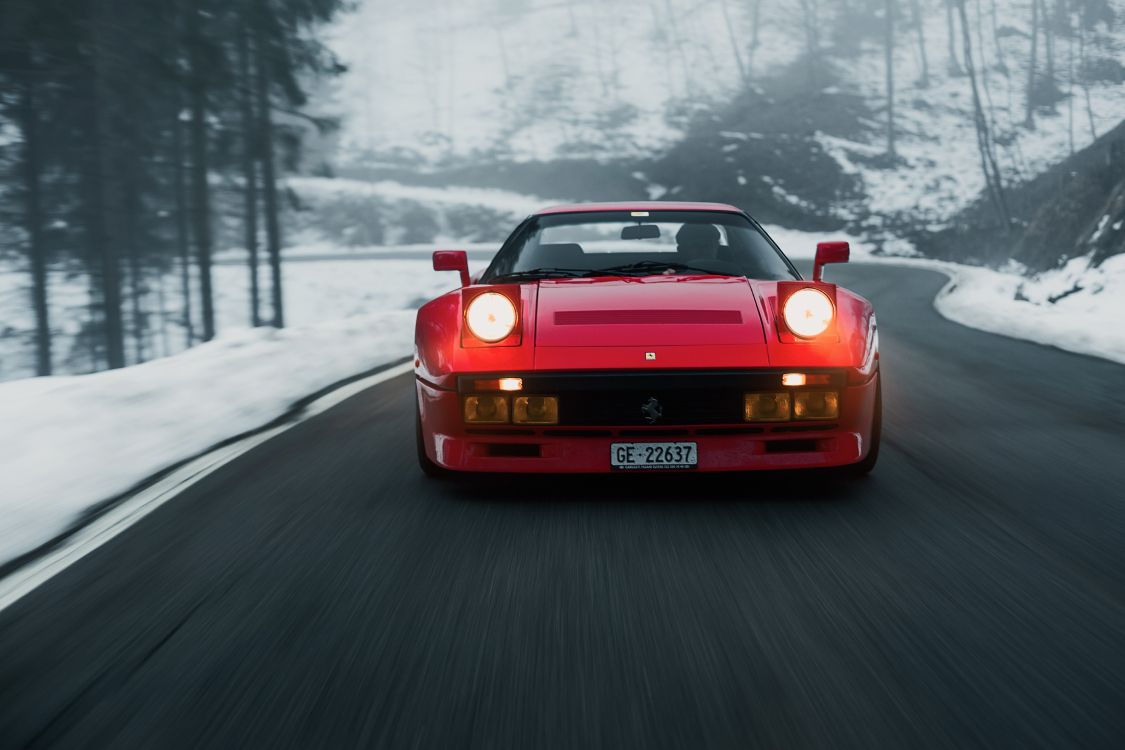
x=486, y=409
x=766, y=407
x=816, y=405
x=535, y=410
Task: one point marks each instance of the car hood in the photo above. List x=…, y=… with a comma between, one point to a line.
x=648, y=311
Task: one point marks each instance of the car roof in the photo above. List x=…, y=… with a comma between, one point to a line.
x=574, y=208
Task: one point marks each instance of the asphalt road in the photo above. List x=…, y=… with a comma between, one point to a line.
x=320, y=593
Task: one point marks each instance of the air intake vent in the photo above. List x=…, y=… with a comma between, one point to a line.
x=647, y=317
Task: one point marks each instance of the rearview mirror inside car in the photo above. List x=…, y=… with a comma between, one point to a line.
x=641, y=232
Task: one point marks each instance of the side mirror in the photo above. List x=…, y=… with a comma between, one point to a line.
x=453, y=260
x=829, y=252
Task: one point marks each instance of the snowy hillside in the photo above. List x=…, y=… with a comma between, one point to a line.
x=619, y=79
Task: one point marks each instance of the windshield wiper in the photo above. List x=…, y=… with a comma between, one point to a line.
x=540, y=273
x=654, y=267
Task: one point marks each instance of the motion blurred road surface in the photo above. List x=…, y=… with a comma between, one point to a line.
x=319, y=592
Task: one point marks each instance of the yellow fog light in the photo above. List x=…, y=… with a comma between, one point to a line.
x=535, y=410
x=766, y=407
x=816, y=405
x=486, y=409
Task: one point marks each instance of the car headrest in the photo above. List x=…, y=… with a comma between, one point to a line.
x=696, y=235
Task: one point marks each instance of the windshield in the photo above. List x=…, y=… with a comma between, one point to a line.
x=638, y=243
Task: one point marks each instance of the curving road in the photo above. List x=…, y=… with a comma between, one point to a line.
x=319, y=592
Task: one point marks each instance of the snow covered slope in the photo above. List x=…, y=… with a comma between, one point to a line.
x=550, y=80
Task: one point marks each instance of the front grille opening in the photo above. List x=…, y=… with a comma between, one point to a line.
x=513, y=450
x=579, y=433
x=653, y=433
x=791, y=446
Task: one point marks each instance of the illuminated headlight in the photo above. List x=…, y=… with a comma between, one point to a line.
x=765, y=407
x=486, y=409
x=816, y=405
x=535, y=410
x=491, y=317
x=808, y=313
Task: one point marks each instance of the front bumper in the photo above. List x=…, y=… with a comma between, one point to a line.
x=583, y=445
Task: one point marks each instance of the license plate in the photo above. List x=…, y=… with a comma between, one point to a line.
x=653, y=455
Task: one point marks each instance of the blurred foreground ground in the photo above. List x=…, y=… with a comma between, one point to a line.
x=320, y=592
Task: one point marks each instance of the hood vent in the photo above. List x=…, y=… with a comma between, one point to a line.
x=647, y=317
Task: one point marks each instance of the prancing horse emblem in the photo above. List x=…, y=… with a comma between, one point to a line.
x=650, y=356
x=651, y=410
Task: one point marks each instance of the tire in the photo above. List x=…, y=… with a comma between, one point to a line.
x=864, y=467
x=428, y=467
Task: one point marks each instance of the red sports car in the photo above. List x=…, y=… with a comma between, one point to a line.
x=645, y=337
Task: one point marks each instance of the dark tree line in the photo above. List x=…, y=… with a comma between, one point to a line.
x=140, y=125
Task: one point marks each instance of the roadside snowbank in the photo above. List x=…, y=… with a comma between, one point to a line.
x=1077, y=308
x=71, y=442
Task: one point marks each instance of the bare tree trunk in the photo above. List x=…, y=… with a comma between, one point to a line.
x=1049, y=40
x=201, y=216
x=755, y=37
x=162, y=307
x=889, y=46
x=201, y=193
x=985, y=76
x=132, y=251
x=249, y=171
x=919, y=26
x=182, y=240
x=672, y=29
x=33, y=218
x=996, y=36
x=1082, y=71
x=733, y=36
x=811, y=18
x=953, y=65
x=269, y=179
x=1070, y=81
x=989, y=167
x=102, y=188
x=1029, y=119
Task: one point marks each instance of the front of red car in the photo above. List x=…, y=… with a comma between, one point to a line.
x=669, y=362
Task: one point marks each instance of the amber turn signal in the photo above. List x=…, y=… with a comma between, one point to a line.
x=535, y=410
x=498, y=384
x=766, y=407
x=798, y=379
x=486, y=409
x=816, y=405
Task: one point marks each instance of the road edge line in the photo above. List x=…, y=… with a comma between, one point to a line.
x=135, y=506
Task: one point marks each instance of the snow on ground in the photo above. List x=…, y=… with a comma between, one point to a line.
x=939, y=170
x=1077, y=308
x=70, y=442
